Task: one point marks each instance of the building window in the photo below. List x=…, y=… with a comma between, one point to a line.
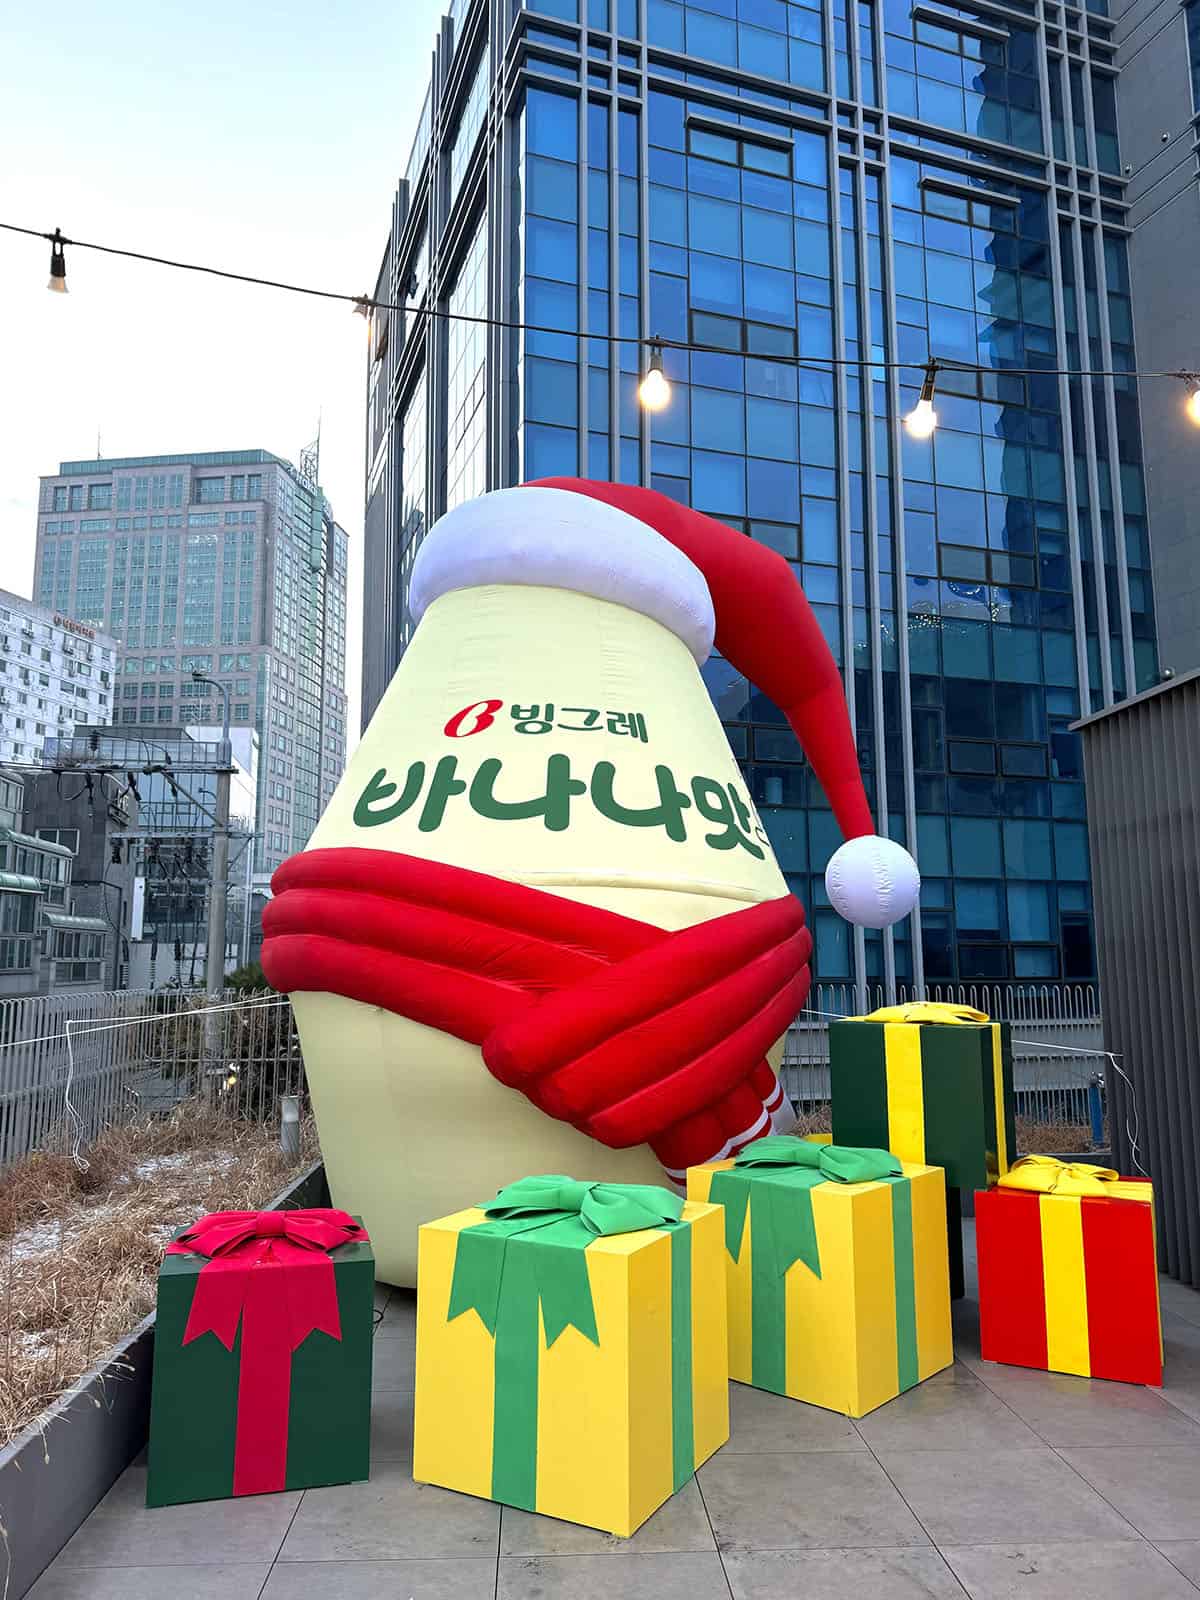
x=60, y=498
x=67, y=836
x=467, y=390
x=100, y=497
x=208, y=491
x=737, y=150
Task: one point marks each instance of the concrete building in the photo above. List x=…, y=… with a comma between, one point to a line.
x=164, y=842
x=66, y=812
x=1158, y=52
x=834, y=183
x=226, y=563
x=46, y=943
x=55, y=675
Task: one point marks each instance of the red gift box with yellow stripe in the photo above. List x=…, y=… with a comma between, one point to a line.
x=1068, y=1275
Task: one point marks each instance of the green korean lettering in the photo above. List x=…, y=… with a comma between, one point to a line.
x=719, y=803
x=379, y=790
x=443, y=786
x=667, y=814
x=554, y=806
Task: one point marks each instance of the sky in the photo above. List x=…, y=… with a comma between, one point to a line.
x=261, y=137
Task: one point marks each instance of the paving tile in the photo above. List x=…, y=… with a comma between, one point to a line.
x=772, y=1424
x=383, y=1293
x=390, y=1518
x=393, y=1361
x=823, y=1500
x=401, y=1312
x=989, y=1496
x=1053, y=1571
x=691, y=1576
x=841, y=1575
x=680, y=1524
x=1158, y=1489
x=950, y=1411
x=458, y=1578
x=391, y=1426
x=240, y=1582
x=1087, y=1411
x=1184, y=1554
x=121, y=1532
x=1180, y=1300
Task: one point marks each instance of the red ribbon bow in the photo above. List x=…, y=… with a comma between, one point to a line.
x=270, y=1271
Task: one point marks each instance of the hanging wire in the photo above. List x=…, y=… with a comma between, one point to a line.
x=367, y=303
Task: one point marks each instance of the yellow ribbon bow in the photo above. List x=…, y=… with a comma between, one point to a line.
x=925, y=1011
x=1048, y=1175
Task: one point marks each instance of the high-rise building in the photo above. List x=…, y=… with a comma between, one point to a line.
x=229, y=564
x=806, y=192
x=55, y=675
x=1158, y=110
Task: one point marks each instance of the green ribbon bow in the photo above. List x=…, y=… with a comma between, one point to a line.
x=775, y=1177
x=529, y=1255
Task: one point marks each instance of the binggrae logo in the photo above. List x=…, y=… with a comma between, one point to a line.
x=726, y=817
x=541, y=718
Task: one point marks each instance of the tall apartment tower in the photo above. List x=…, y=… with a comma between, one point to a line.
x=228, y=563
x=810, y=190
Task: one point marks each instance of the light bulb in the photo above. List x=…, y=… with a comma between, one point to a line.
x=58, y=265
x=1193, y=405
x=654, y=391
x=921, y=420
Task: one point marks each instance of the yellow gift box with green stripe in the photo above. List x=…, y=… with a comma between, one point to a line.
x=837, y=1270
x=929, y=1082
x=571, y=1349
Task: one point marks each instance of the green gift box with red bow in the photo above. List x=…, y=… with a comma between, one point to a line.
x=262, y=1356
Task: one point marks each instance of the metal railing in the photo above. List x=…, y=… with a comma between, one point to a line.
x=72, y=1065
x=1058, y=1045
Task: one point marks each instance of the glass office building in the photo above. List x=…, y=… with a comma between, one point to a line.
x=811, y=192
x=228, y=563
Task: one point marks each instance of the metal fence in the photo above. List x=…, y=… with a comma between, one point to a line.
x=71, y=1065
x=1058, y=1048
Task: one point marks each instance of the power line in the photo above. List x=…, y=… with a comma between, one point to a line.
x=367, y=303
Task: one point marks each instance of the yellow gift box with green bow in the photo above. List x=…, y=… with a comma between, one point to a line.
x=571, y=1349
x=837, y=1270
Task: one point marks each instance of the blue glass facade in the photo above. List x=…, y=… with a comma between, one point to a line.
x=813, y=192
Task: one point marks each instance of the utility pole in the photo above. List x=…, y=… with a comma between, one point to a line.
x=215, y=964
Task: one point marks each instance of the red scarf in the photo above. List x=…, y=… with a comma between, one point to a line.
x=631, y=1034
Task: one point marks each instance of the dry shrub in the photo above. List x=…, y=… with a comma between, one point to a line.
x=1036, y=1137
x=79, y=1250
x=818, y=1120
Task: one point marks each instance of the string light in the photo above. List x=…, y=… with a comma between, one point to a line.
x=365, y=305
x=58, y=264
x=654, y=391
x=922, y=419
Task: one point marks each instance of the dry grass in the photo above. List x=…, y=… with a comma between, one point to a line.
x=1035, y=1137
x=79, y=1250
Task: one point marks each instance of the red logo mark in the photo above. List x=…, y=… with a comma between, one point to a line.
x=481, y=715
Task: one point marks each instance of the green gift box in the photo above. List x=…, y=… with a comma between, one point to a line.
x=932, y=1083
x=262, y=1356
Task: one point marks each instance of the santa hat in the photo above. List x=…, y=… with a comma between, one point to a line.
x=708, y=585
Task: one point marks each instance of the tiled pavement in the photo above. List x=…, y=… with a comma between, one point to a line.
x=985, y=1481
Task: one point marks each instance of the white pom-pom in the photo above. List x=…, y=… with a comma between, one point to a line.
x=872, y=882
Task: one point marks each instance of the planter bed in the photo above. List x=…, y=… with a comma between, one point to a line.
x=54, y=1473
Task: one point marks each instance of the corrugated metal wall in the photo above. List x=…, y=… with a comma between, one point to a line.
x=1142, y=761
